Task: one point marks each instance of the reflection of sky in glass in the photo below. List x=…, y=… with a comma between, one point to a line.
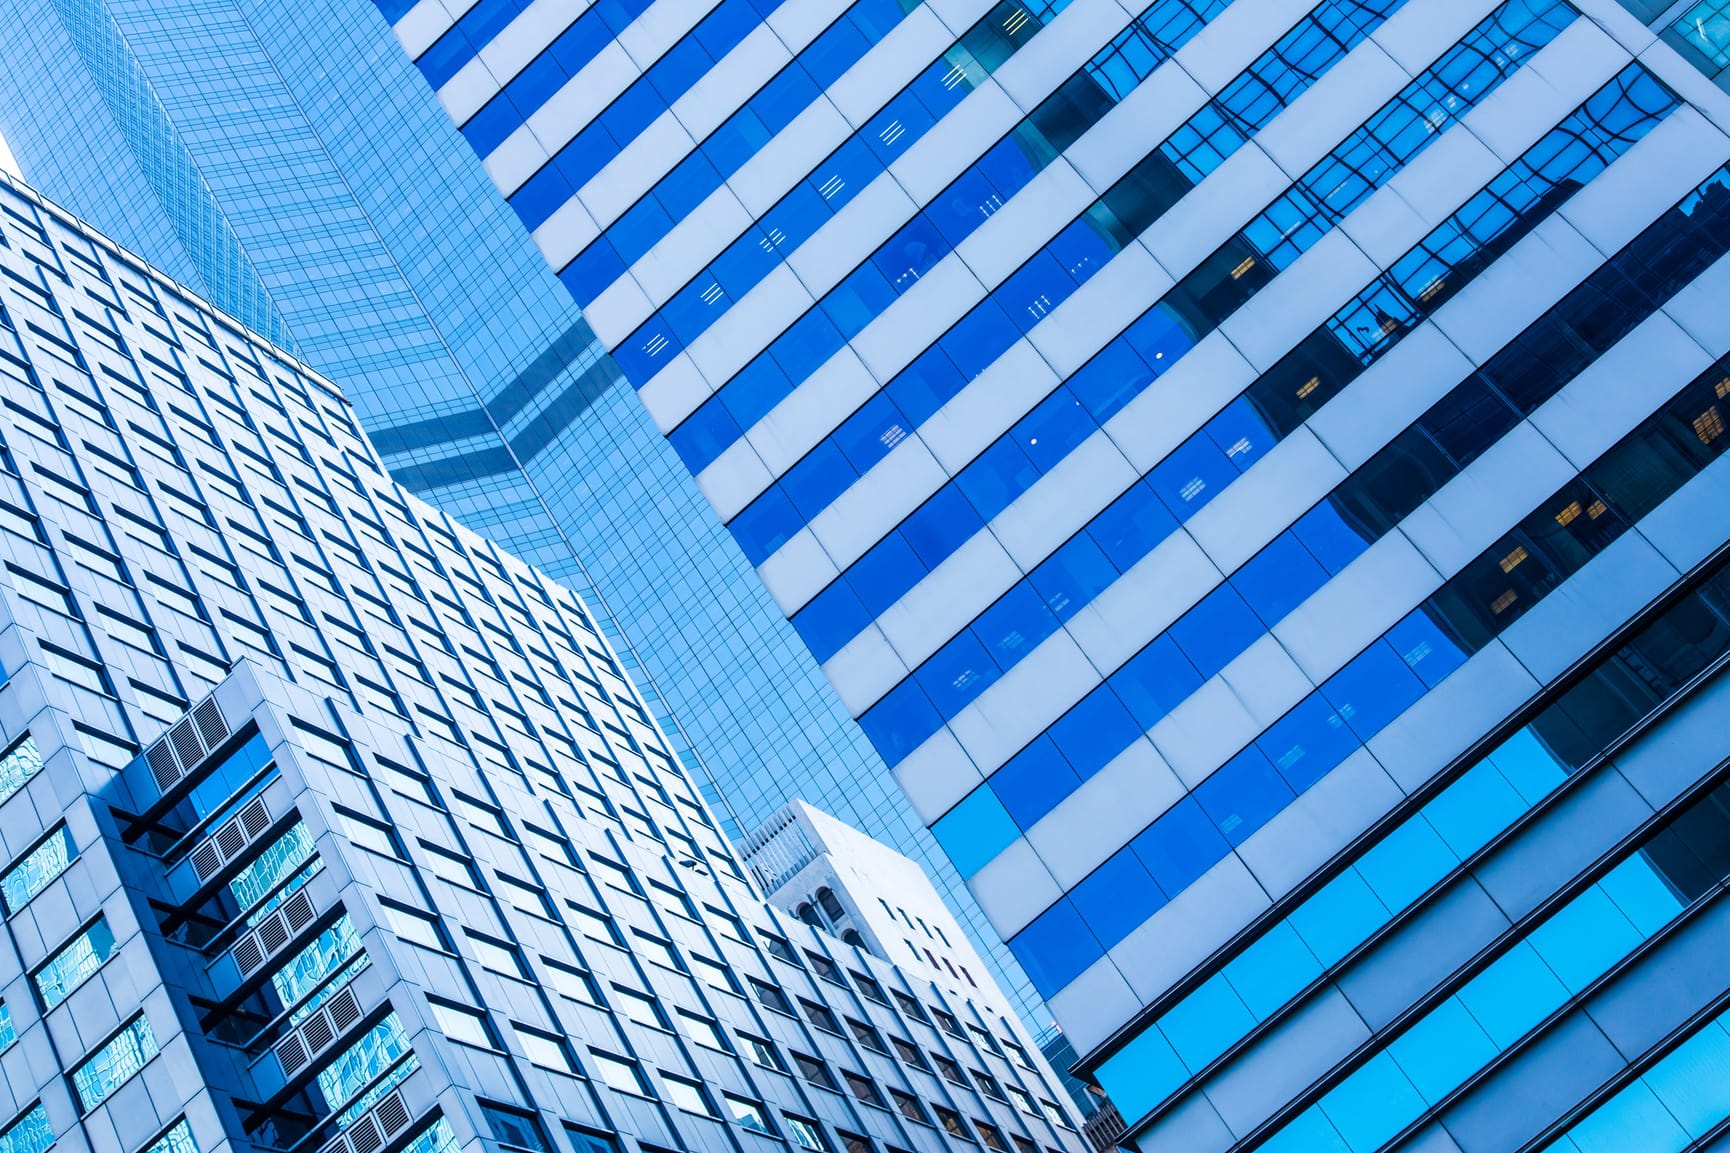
x=368, y=1057
x=73, y=964
x=31, y=1133
x=327, y=952
x=31, y=875
x=290, y=851
x=114, y=1064
x=18, y=766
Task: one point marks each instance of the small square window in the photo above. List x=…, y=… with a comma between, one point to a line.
x=703, y=1031
x=763, y=1052
x=514, y=1128
x=816, y=1072
x=462, y=1025
x=820, y=1016
x=748, y=1113
x=807, y=1133
x=863, y=1088
x=952, y=1123
x=687, y=1094
x=911, y=1007
x=544, y=1049
x=619, y=1073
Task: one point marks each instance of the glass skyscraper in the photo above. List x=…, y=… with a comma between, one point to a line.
x=1253, y=467
x=327, y=824
x=288, y=162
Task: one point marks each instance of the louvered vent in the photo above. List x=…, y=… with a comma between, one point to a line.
x=316, y=1034
x=376, y=1128
x=230, y=839
x=269, y=936
x=187, y=744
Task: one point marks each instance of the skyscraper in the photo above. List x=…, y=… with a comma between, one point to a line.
x=1252, y=468
x=287, y=161
x=326, y=824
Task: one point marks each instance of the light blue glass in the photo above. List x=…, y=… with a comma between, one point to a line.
x=37, y=869
x=975, y=831
x=1372, y=1105
x=114, y=1064
x=1442, y=1050
x=8, y=1033
x=1206, y=1022
x=74, y=962
x=270, y=868
x=357, y=1066
x=20, y=763
x=1141, y=1074
x=31, y=1133
x=178, y=1139
x=322, y=957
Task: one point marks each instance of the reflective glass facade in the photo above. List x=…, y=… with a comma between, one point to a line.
x=328, y=824
x=289, y=163
x=1231, y=461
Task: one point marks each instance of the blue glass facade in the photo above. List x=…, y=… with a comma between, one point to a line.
x=1247, y=466
x=288, y=162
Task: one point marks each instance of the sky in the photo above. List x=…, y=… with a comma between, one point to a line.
x=7, y=164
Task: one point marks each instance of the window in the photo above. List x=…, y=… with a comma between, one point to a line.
x=544, y=1049
x=750, y=1114
x=816, y=1072
x=779, y=947
x=462, y=1025
x=909, y=1052
x=640, y=1007
x=514, y=1128
x=909, y=1106
x=657, y=950
x=984, y=1039
x=769, y=995
x=115, y=1063
x=948, y=1023
x=807, y=1133
x=596, y=925
x=74, y=963
x=1055, y=1111
x=854, y=1143
x=714, y=973
x=1022, y=1144
x=867, y=1036
x=863, y=1088
x=31, y=1133
x=824, y=967
x=570, y=982
x=1022, y=1101
x=178, y=1139
x=18, y=765
x=763, y=1052
x=497, y=956
x=911, y=1007
x=8, y=1034
x=703, y=1031
x=991, y=1135
x=1021, y=1057
x=869, y=987
x=414, y=926
x=589, y=1141
x=950, y=1070
x=952, y=1123
x=988, y=1085
x=687, y=1094
x=36, y=869
x=619, y=1073
x=820, y=1016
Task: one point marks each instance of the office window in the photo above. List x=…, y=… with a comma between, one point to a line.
x=544, y=1049
x=17, y=765
x=952, y=1123
x=779, y=947
x=36, y=869
x=948, y=1023
x=1055, y=1111
x=621, y=1074
x=763, y=1052
x=657, y=950
x=769, y=995
x=114, y=1064
x=820, y=1016
x=1022, y=1100
x=750, y=1114
x=984, y=1039
x=714, y=973
x=870, y=989
x=74, y=962
x=639, y=1007
x=867, y=1036
x=824, y=967
x=687, y=1094
x=8, y=1033
x=1021, y=1057
x=909, y=1106
x=807, y=1133
x=589, y=1141
x=414, y=926
x=950, y=1070
x=461, y=1024
x=178, y=1139
x=991, y=1135
x=911, y=1007
x=514, y=1128
x=909, y=1052
x=816, y=1072
x=31, y=1133
x=595, y=925
x=863, y=1088
x=571, y=982
x=854, y=1142
x=988, y=1084
x=703, y=1030
x=497, y=955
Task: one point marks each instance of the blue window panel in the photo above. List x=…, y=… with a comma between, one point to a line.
x=682, y=190
x=1474, y=809
x=1032, y=291
x=1081, y=249
x=1117, y=898
x=975, y=831
x=996, y=477
x=926, y=385
x=1191, y=476
x=1425, y=648
x=1142, y=1074
x=754, y=391
x=1373, y=689
x=1328, y=538
x=1406, y=863
x=705, y=434
x=1160, y=338
x=885, y=573
x=1584, y=938
x=940, y=526
x=692, y=309
x=1015, y=625
x=749, y=259
x=1307, y=742
x=842, y=175
x=956, y=210
x=1108, y=381
x=1338, y=917
x=830, y=620
x=1095, y=731
x=1633, y=1121
x=1441, y=1050
x=1131, y=526
x=1072, y=576
x=906, y=256
x=1642, y=895
x=1242, y=795
x=1513, y=994
x=1034, y=781
x=1308, y=1132
x=767, y=524
x=1206, y=1023
x=743, y=134
x=1216, y=631
x=818, y=479
x=1272, y=970
x=634, y=233
x=956, y=674
x=872, y=433
x=1155, y=680
x=836, y=50
x=488, y=128
x=803, y=348
x=1240, y=433
x=900, y=722
x=1372, y=1104
x=1530, y=767
x=1056, y=948
x=589, y=274
x=1279, y=578
x=541, y=195
x=1691, y=1081
x=858, y=300
x=1180, y=846
x=1052, y=430
x=646, y=350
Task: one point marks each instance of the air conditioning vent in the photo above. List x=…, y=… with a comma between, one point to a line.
x=376, y=1128
x=230, y=839
x=186, y=744
x=268, y=937
x=317, y=1033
